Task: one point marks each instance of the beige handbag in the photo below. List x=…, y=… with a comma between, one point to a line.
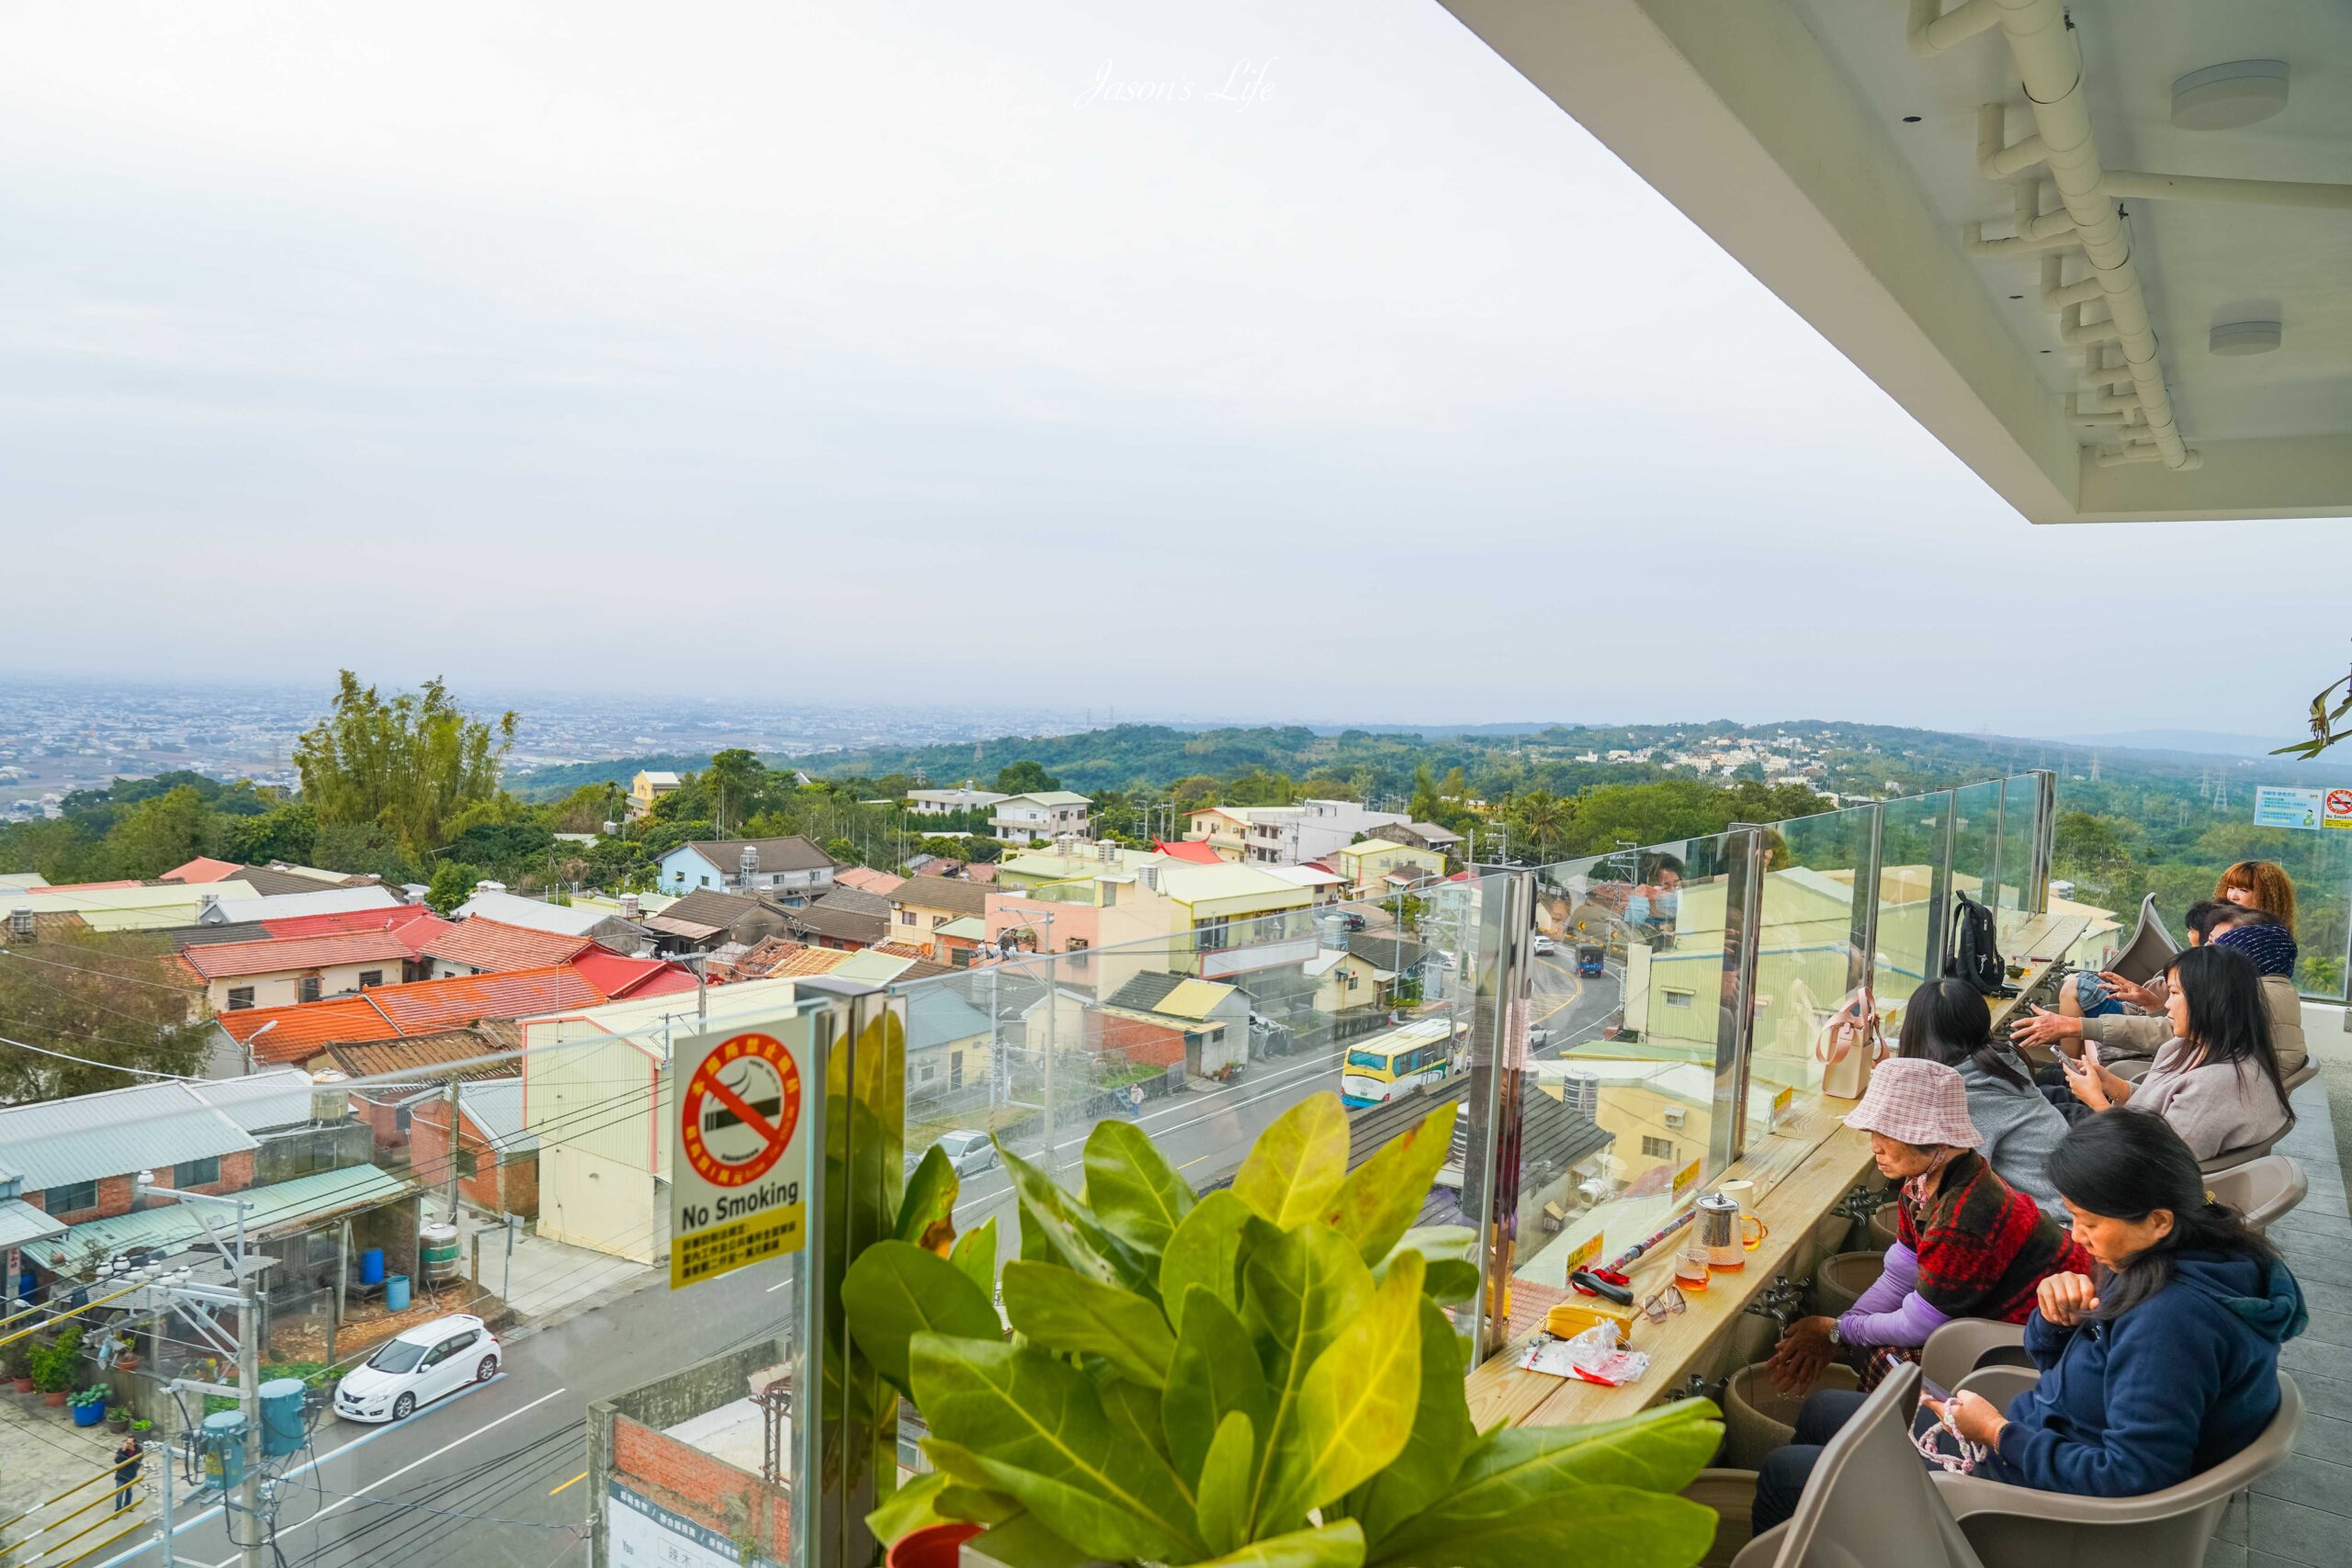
x=1847, y=1047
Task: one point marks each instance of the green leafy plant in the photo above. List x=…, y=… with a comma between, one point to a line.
x=54, y=1364
x=141, y=1423
x=1262, y=1377
x=94, y=1394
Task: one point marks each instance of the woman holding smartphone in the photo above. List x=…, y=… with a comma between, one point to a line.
x=2157, y=1365
x=2217, y=1080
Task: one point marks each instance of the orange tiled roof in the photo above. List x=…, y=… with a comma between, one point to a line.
x=492, y=944
x=617, y=975
x=425, y=1007
x=227, y=960
x=807, y=960
x=203, y=868
x=417, y=923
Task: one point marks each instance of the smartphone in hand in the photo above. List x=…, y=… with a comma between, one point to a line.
x=2090, y=1052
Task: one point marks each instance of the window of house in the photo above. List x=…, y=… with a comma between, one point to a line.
x=71, y=1199
x=1211, y=934
x=370, y=977
x=938, y=921
x=196, y=1172
x=1351, y=979
x=906, y=917
x=705, y=881
x=239, y=998
x=468, y=1162
x=307, y=988
x=1677, y=998
x=1075, y=944
x=1659, y=1148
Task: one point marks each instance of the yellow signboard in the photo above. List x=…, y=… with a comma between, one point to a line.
x=738, y=1162
x=1781, y=1103
x=1585, y=1254
x=1688, y=1176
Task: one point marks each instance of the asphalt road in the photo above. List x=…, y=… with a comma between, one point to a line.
x=491, y=1477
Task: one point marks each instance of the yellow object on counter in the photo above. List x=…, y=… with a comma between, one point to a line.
x=1568, y=1319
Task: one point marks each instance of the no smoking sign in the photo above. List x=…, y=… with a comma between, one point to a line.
x=739, y=1158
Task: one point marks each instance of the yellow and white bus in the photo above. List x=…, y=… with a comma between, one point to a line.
x=1386, y=1065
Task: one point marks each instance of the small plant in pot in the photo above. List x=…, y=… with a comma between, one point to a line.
x=54, y=1366
x=118, y=1418
x=1262, y=1377
x=89, y=1406
x=16, y=1365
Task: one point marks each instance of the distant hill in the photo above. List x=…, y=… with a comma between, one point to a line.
x=2189, y=742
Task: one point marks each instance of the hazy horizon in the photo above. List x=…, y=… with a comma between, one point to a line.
x=1262, y=364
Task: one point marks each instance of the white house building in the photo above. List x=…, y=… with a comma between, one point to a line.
x=1047, y=815
x=792, y=871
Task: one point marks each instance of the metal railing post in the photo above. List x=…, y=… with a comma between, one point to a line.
x=1939, y=891
x=1498, y=1079
x=1746, y=852
x=1861, y=959
x=846, y=1423
x=1992, y=899
x=2045, y=835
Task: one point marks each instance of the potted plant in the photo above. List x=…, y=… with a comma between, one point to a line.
x=54, y=1365
x=90, y=1406
x=141, y=1425
x=118, y=1418
x=1259, y=1375
x=16, y=1365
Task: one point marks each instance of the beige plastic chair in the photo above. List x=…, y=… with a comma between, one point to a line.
x=2131, y=1069
x=1965, y=1344
x=2230, y=1159
x=2151, y=947
x=2015, y=1527
x=2301, y=1076
x=1869, y=1501
x=2261, y=1189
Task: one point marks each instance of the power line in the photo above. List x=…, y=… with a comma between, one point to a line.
x=103, y=974
x=85, y=1061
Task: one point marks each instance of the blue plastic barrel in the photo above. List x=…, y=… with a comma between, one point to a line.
x=223, y=1444
x=281, y=1416
x=371, y=1266
x=396, y=1294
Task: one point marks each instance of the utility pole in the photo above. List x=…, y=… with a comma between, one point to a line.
x=456, y=1139
x=249, y=1403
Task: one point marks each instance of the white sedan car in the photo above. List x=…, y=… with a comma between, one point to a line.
x=417, y=1368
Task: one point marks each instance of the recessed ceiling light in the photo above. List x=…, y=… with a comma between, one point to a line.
x=2017, y=296
x=2222, y=97
x=2045, y=351
x=1910, y=119
x=2245, y=337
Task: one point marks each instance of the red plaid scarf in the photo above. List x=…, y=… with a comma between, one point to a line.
x=1984, y=1247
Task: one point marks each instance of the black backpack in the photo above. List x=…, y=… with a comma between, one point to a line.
x=1975, y=955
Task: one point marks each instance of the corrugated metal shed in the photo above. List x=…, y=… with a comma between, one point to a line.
x=305, y=1200
x=280, y=1098
x=495, y=1107
x=21, y=1222
x=89, y=1136
x=279, y=906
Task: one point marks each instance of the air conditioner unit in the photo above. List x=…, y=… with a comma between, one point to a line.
x=1675, y=1115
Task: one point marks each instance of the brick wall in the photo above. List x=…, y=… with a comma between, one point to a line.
x=114, y=1198
x=1145, y=1044
x=493, y=1187
x=708, y=1491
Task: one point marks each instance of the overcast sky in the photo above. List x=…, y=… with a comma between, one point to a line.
x=1286, y=359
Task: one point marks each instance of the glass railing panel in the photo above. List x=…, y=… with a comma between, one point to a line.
x=1811, y=915
x=2119, y=843
x=2020, y=827
x=1631, y=994
x=1976, y=843
x=1911, y=882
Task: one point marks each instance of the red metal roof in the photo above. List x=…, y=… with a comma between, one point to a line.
x=225, y=960
x=618, y=975
x=203, y=868
x=492, y=944
x=426, y=1007
x=1192, y=850
x=418, y=924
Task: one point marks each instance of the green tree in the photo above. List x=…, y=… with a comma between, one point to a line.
x=452, y=885
x=1024, y=777
x=117, y=999
x=157, y=834
x=736, y=781
x=287, y=832
x=1424, y=808
x=365, y=849
x=411, y=763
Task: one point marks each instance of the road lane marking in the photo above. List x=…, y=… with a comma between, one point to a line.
x=455, y=1442
x=574, y=1481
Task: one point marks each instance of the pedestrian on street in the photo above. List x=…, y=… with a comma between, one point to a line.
x=126, y=1469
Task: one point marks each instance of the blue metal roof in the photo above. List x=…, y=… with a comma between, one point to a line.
x=173, y=1225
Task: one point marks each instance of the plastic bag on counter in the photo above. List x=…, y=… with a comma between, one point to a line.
x=1597, y=1355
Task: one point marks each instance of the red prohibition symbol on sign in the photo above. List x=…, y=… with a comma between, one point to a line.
x=740, y=1109
x=2340, y=803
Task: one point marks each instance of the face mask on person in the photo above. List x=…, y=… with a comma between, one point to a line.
x=1666, y=903
x=1637, y=909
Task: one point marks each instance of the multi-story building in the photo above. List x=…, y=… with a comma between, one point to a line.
x=648, y=787
x=791, y=871
x=1044, y=815
x=1376, y=866
x=947, y=802
x=1286, y=835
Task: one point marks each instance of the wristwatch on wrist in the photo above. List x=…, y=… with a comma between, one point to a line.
x=1836, y=1335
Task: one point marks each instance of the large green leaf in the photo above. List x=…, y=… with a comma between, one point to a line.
x=1515, y=1476
x=911, y=1507
x=1442, y=1434
x=1333, y=1546
x=1034, y=1427
x=1227, y=1472
x=1056, y=1228
x=1131, y=1186
x=1024, y=1541
x=927, y=1213
x=1300, y=1290
x=975, y=1255
x=1380, y=1199
x=1448, y=1279
x=1296, y=1165
x=1619, y=1526
x=1205, y=1250
x=1135, y=1411
x=1215, y=1374
x=1355, y=1409
x=1434, y=1242
x=896, y=1290
x=1067, y=1311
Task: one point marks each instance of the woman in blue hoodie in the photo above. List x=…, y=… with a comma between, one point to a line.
x=2160, y=1367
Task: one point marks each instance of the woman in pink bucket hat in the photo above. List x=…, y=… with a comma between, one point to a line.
x=1971, y=1246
